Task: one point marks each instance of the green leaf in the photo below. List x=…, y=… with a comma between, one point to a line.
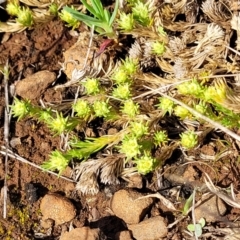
x=197, y=228
x=191, y=227
x=106, y=16
x=97, y=5
x=89, y=7
x=82, y=17
x=114, y=14
x=83, y=149
x=202, y=222
x=187, y=205
x=102, y=19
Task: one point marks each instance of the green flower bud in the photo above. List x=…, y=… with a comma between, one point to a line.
x=59, y=124
x=53, y=9
x=201, y=107
x=44, y=115
x=216, y=93
x=160, y=138
x=130, y=147
x=57, y=161
x=82, y=108
x=13, y=7
x=126, y=21
x=141, y=13
x=189, y=139
x=122, y=91
x=191, y=88
x=120, y=76
x=92, y=86
x=166, y=105
x=138, y=129
x=130, y=66
x=158, y=48
x=21, y=108
x=181, y=112
x=130, y=108
x=101, y=108
x=25, y=17
x=146, y=164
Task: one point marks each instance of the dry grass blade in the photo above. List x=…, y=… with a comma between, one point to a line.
x=42, y=16
x=204, y=197
x=45, y=3
x=216, y=11
x=36, y=3
x=163, y=200
x=177, y=45
x=235, y=24
x=111, y=169
x=212, y=36
x=11, y=27
x=106, y=169
x=231, y=233
x=166, y=152
x=193, y=213
x=227, y=199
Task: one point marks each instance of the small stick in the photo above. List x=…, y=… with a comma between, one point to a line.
x=193, y=213
x=6, y=135
x=199, y=115
x=165, y=87
x=21, y=159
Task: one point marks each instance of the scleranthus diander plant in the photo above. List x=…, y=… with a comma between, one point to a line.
x=118, y=101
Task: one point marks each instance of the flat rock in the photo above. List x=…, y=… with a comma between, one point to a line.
x=57, y=207
x=34, y=85
x=83, y=233
x=150, y=229
x=75, y=58
x=211, y=210
x=126, y=205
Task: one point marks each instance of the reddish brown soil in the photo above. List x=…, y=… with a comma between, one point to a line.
x=29, y=52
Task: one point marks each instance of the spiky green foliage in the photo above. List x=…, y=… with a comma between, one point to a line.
x=189, y=139
x=67, y=17
x=57, y=161
x=146, y=163
x=21, y=108
x=83, y=149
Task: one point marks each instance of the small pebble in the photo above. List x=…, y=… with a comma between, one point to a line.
x=211, y=210
x=33, y=86
x=58, y=208
x=123, y=235
x=83, y=233
x=150, y=229
x=126, y=205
